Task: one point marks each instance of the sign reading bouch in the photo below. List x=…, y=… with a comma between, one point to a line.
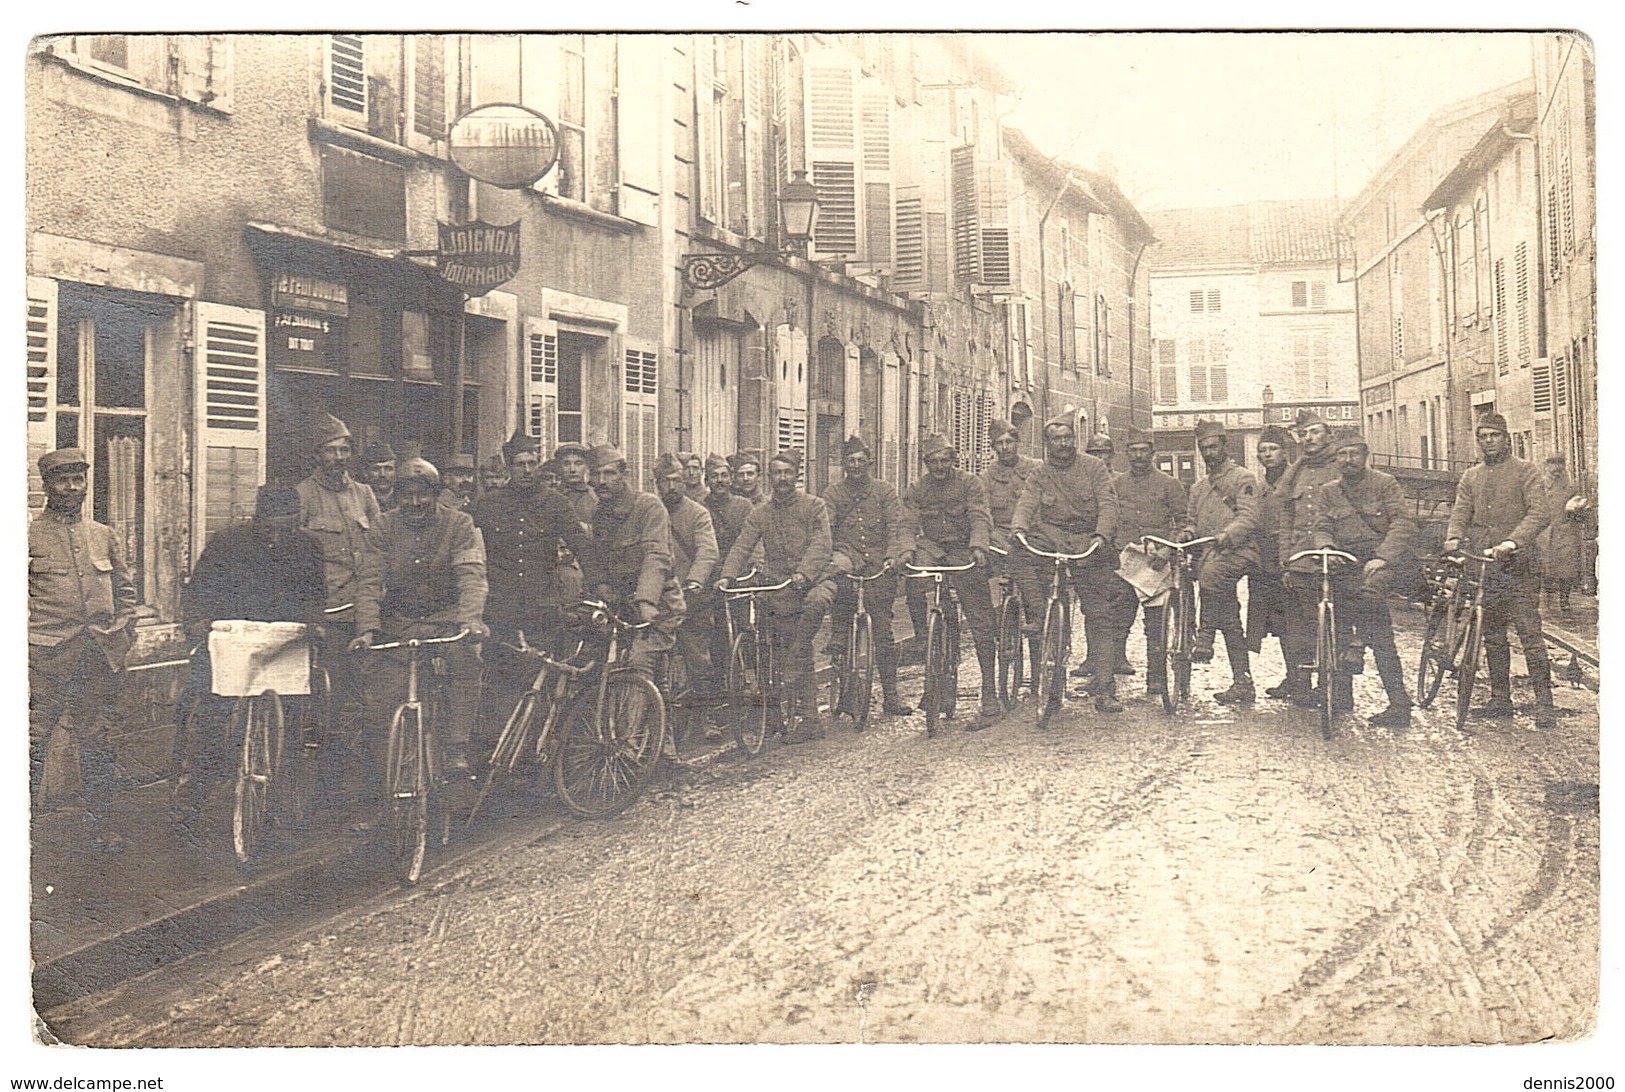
x=478, y=257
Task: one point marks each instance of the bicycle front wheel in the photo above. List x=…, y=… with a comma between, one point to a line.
x=936, y=663
x=408, y=789
x=1435, y=656
x=259, y=717
x=951, y=674
x=859, y=693
x=1050, y=671
x=746, y=698
x=604, y=737
x=1176, y=649
x=1326, y=665
x=1468, y=647
x=1011, y=648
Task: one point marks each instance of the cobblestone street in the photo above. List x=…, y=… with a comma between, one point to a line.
x=1206, y=877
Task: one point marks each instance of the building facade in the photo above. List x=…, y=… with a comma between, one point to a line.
x=1251, y=322
x=260, y=249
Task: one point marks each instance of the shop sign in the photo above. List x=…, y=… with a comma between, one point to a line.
x=299, y=339
x=296, y=292
x=1286, y=414
x=1172, y=422
x=478, y=257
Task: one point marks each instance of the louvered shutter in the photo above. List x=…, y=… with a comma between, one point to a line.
x=792, y=436
x=909, y=268
x=640, y=401
x=203, y=69
x=542, y=384
x=711, y=203
x=833, y=152
x=41, y=381
x=1540, y=381
x=1500, y=303
x=639, y=108
x=347, y=77
x=993, y=220
x=1520, y=261
x=964, y=210
x=875, y=118
x=889, y=425
x=229, y=422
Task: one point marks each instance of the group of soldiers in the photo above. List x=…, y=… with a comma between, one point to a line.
x=417, y=551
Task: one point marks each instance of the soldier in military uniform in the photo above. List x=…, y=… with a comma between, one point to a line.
x=1069, y=503
x=423, y=576
x=571, y=460
x=81, y=607
x=694, y=564
x=493, y=475
x=747, y=471
x=378, y=474
x=693, y=465
x=1267, y=607
x=1149, y=502
x=522, y=525
x=1501, y=506
x=728, y=514
x=340, y=513
x=1299, y=495
x=1363, y=513
x=458, y=474
x=791, y=533
x=948, y=511
x=629, y=559
x=1003, y=480
x=1223, y=504
x=870, y=531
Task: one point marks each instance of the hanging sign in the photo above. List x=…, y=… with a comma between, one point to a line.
x=478, y=257
x=504, y=144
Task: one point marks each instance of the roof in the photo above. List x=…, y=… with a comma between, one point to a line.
x=1517, y=114
x=1092, y=187
x=1257, y=232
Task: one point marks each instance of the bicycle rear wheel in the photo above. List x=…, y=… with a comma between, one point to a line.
x=1011, y=651
x=260, y=717
x=1050, y=671
x=408, y=793
x=1435, y=658
x=859, y=691
x=1326, y=665
x=1176, y=650
x=1468, y=646
x=746, y=696
x=950, y=619
x=598, y=772
x=936, y=658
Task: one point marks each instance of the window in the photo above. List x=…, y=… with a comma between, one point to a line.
x=1196, y=360
x=572, y=117
x=1309, y=294
x=195, y=68
x=1198, y=301
x=398, y=88
x=1520, y=261
x=1067, y=326
x=836, y=230
x=640, y=433
x=1167, y=373
x=1502, y=358
x=363, y=195
x=1103, y=337
x=1213, y=299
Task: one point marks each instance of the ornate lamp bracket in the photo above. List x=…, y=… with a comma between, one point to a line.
x=707, y=271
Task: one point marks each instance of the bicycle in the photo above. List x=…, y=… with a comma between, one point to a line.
x=1178, y=618
x=852, y=683
x=1049, y=673
x=613, y=730
x=413, y=767
x=755, y=684
x=1454, y=638
x=1325, y=666
x=941, y=643
x=1011, y=648
x=556, y=680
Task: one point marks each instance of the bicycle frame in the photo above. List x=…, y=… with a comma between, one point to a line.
x=1326, y=652
x=768, y=681
x=941, y=679
x=1179, y=616
x=846, y=681
x=1050, y=674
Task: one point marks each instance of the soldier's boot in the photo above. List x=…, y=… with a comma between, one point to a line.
x=1123, y=667
x=812, y=725
x=1202, y=648
x=1240, y=692
x=1241, y=679
x=892, y=704
x=1106, y=694
x=1499, y=661
x=992, y=707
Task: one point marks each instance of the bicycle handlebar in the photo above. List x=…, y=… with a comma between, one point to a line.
x=1022, y=538
x=920, y=572
x=754, y=589
x=418, y=642
x=1326, y=553
x=1191, y=545
x=340, y=609
x=876, y=575
x=598, y=606
x=524, y=648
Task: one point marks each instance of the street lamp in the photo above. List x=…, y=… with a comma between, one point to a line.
x=798, y=212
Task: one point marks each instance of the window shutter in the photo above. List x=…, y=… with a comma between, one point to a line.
x=1300, y=293
x=1317, y=294
x=347, y=75
x=792, y=435
x=229, y=424
x=203, y=69
x=1520, y=261
x=1500, y=304
x=1197, y=299
x=640, y=407
x=1541, y=385
x=1213, y=299
x=877, y=223
x=876, y=129
x=429, y=85
x=41, y=381
x=836, y=231
x=542, y=384
x=909, y=273
x=638, y=109
x=964, y=210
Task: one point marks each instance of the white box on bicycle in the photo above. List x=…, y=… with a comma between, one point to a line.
x=253, y=657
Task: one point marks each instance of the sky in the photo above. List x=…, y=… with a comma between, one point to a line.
x=1200, y=119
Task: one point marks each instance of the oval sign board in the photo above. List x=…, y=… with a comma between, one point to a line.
x=504, y=145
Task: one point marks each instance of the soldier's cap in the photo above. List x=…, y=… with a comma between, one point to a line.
x=1492, y=420
x=1204, y=429
x=62, y=459
x=548, y=467
x=668, y=464
x=790, y=456
x=414, y=470
x=571, y=447
x=1275, y=434
x=741, y=458
x=1099, y=442
x=935, y=443
x=276, y=500
x=1139, y=436
x=1066, y=418
x=496, y=465
x=603, y=455
x=1349, y=437
x=520, y=441
x=325, y=428
x=1000, y=427
x=853, y=445
x=378, y=453
x=461, y=462
x=1558, y=459
x=714, y=461
x=1307, y=417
